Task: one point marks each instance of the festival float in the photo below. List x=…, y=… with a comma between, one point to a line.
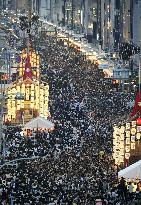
x=27, y=97
x=127, y=137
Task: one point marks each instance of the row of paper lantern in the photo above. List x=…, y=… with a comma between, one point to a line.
x=123, y=142
x=42, y=106
x=33, y=89
x=35, y=73
x=34, y=59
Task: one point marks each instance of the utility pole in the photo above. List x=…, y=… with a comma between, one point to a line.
x=29, y=24
x=72, y=14
x=64, y=13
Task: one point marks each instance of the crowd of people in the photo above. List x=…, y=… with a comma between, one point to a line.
x=73, y=164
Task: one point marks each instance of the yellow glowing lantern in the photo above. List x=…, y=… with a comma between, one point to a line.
x=127, y=133
x=32, y=87
x=13, y=103
x=22, y=103
x=27, y=93
x=23, y=89
x=127, y=155
x=18, y=89
x=127, y=148
x=133, y=131
x=127, y=126
x=14, y=91
x=133, y=123
x=127, y=140
x=122, y=151
x=18, y=106
x=133, y=145
x=138, y=135
x=32, y=99
x=122, y=129
x=121, y=159
x=9, y=117
x=32, y=105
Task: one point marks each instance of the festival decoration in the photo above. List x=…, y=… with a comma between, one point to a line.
x=137, y=105
x=138, y=121
x=29, y=97
x=125, y=138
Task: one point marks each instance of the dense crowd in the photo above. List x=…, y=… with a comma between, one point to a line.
x=71, y=165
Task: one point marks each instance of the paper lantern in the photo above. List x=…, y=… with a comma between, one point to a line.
x=32, y=105
x=133, y=139
x=138, y=121
x=32, y=99
x=22, y=103
x=122, y=137
x=127, y=155
x=127, y=134
x=32, y=87
x=18, y=107
x=122, y=150
x=132, y=145
x=14, y=91
x=133, y=123
x=32, y=93
x=18, y=89
x=127, y=126
x=133, y=131
x=138, y=135
x=121, y=145
x=127, y=148
x=9, y=117
x=138, y=128
x=121, y=158
x=122, y=129
x=13, y=104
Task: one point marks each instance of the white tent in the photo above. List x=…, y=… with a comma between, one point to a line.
x=39, y=122
x=131, y=172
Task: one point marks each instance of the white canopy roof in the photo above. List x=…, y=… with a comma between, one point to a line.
x=39, y=122
x=131, y=172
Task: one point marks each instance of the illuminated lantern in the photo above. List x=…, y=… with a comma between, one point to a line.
x=133, y=123
x=133, y=138
x=127, y=155
x=127, y=148
x=133, y=131
x=122, y=137
x=133, y=145
x=121, y=159
x=127, y=140
x=138, y=135
x=128, y=134
x=127, y=126
x=122, y=129
x=18, y=88
x=138, y=121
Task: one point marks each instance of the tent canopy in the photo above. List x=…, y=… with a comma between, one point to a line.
x=39, y=122
x=131, y=172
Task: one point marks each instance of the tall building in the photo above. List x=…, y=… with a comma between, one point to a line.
x=136, y=22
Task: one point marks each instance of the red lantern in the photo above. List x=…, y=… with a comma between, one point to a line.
x=139, y=121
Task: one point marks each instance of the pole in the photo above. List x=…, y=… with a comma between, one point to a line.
x=64, y=23
x=139, y=32
x=1, y=116
x=29, y=24
x=72, y=15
